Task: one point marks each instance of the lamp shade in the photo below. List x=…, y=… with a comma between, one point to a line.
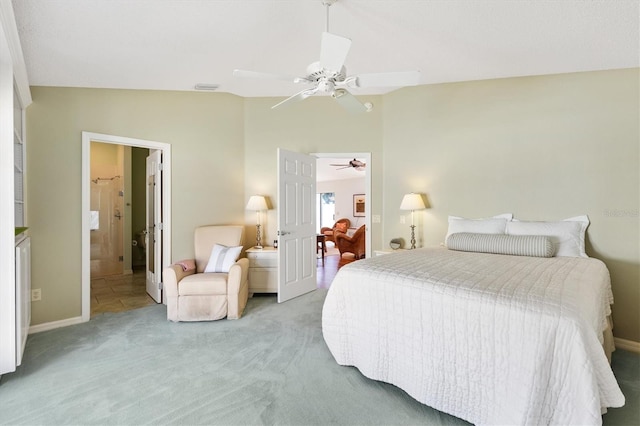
x=257, y=203
x=412, y=201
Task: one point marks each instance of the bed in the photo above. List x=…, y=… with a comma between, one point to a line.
x=489, y=338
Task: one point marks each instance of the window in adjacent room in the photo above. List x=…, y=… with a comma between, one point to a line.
x=325, y=210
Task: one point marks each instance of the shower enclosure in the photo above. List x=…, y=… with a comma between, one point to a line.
x=106, y=206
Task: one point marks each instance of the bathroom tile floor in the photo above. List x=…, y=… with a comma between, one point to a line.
x=119, y=293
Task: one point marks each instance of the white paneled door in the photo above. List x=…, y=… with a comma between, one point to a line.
x=296, y=224
x=154, y=225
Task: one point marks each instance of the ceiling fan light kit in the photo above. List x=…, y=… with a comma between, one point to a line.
x=329, y=75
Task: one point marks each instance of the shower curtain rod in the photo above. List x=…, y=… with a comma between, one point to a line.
x=97, y=179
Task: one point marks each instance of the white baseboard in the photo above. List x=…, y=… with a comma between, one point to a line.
x=55, y=324
x=627, y=345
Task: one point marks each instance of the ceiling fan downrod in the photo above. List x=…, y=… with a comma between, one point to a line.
x=326, y=4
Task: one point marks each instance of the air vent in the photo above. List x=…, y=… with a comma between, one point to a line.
x=207, y=86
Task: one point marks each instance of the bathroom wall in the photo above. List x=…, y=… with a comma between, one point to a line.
x=107, y=201
x=138, y=201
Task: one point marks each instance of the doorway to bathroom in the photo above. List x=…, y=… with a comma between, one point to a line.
x=118, y=230
x=113, y=204
x=126, y=222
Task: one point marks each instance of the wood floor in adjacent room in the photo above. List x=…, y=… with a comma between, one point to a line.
x=332, y=263
x=119, y=293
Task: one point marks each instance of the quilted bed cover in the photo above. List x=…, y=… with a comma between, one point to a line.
x=491, y=339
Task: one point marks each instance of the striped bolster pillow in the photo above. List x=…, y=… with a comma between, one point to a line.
x=516, y=245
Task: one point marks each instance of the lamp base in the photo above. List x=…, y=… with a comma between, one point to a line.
x=413, y=237
x=258, y=237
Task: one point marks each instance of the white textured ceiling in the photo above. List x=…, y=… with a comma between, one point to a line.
x=174, y=44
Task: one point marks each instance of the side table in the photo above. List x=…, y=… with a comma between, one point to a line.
x=263, y=270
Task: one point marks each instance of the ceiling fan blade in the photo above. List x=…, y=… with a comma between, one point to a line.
x=300, y=96
x=268, y=76
x=350, y=102
x=333, y=51
x=388, y=79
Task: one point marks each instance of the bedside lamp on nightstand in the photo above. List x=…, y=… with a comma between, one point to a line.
x=257, y=203
x=412, y=202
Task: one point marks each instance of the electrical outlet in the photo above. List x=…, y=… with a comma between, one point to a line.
x=402, y=219
x=375, y=218
x=36, y=294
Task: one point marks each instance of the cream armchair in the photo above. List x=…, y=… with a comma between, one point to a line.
x=195, y=295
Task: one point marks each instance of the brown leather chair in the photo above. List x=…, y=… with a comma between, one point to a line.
x=341, y=224
x=354, y=244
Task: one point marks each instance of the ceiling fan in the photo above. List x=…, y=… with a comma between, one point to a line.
x=329, y=75
x=356, y=164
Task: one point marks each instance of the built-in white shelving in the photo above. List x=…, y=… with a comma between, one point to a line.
x=19, y=155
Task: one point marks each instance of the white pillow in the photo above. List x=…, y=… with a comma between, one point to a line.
x=494, y=225
x=514, y=245
x=567, y=235
x=222, y=257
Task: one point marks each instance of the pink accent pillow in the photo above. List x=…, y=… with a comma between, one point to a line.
x=187, y=264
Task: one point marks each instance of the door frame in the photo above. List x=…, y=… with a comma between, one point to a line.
x=367, y=186
x=87, y=138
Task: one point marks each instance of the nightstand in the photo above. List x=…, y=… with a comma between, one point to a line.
x=263, y=270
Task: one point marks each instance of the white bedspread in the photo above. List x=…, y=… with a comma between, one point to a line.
x=491, y=339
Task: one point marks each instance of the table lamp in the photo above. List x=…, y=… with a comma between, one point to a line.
x=412, y=202
x=257, y=203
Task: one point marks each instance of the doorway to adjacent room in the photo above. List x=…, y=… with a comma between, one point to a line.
x=118, y=228
x=114, y=277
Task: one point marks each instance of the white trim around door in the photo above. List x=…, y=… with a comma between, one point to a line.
x=87, y=138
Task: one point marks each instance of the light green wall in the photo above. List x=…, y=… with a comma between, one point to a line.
x=542, y=148
x=317, y=125
x=205, y=131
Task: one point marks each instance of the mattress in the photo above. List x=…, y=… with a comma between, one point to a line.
x=492, y=339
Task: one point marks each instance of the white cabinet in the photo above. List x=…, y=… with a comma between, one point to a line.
x=263, y=270
x=23, y=295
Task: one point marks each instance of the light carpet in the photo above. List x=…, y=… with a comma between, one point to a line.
x=271, y=367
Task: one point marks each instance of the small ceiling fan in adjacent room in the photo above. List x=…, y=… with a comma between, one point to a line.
x=329, y=75
x=356, y=164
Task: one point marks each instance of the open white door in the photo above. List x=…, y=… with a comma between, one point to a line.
x=296, y=224
x=154, y=225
